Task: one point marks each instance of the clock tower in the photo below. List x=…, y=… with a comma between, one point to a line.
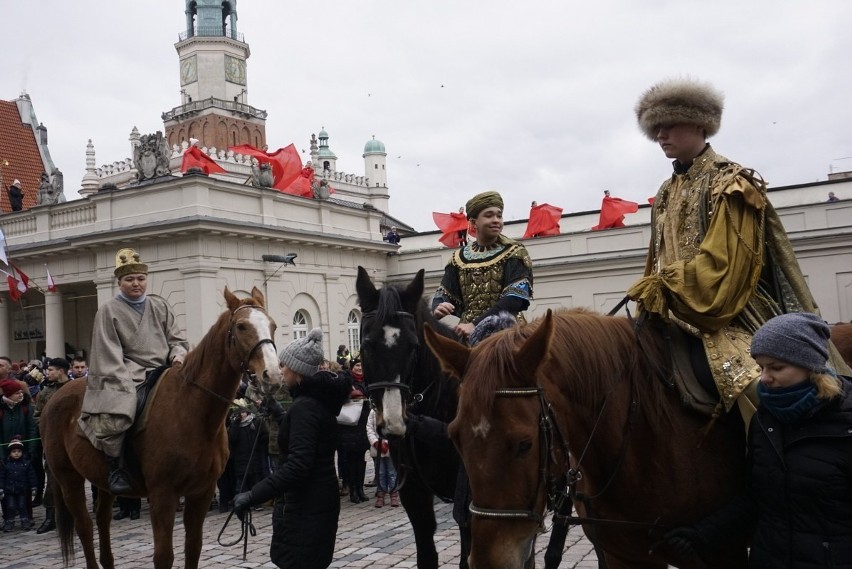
x=213, y=78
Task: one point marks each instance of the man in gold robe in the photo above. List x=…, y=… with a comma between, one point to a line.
x=133, y=334
x=720, y=263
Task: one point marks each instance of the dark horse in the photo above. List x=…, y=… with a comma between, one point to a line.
x=404, y=376
x=576, y=393
x=180, y=442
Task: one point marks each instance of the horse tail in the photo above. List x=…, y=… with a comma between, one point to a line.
x=64, y=525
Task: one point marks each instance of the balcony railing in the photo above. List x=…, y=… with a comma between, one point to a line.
x=211, y=31
x=212, y=102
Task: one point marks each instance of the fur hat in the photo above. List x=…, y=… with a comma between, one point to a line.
x=483, y=201
x=680, y=101
x=127, y=262
x=799, y=338
x=16, y=443
x=304, y=355
x=10, y=387
x=60, y=363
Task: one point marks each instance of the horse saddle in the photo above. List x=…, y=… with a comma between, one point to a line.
x=144, y=390
x=691, y=373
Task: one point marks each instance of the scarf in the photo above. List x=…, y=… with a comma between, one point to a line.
x=789, y=404
x=137, y=305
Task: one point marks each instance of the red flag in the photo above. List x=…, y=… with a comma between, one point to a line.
x=14, y=292
x=543, y=221
x=286, y=163
x=612, y=212
x=51, y=284
x=452, y=226
x=24, y=283
x=195, y=158
x=301, y=186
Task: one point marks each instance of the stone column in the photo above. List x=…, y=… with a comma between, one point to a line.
x=54, y=324
x=203, y=300
x=5, y=336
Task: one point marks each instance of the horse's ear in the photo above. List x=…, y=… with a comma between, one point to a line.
x=531, y=355
x=414, y=290
x=368, y=295
x=232, y=301
x=451, y=354
x=258, y=297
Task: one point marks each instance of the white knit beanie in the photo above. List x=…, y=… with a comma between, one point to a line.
x=304, y=355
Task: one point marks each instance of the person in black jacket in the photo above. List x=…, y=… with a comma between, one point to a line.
x=798, y=501
x=16, y=196
x=304, y=521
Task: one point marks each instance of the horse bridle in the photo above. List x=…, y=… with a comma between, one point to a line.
x=548, y=431
x=232, y=341
x=403, y=385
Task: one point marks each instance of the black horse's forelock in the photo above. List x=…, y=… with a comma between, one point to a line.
x=390, y=302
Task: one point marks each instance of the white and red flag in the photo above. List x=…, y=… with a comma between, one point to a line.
x=51, y=284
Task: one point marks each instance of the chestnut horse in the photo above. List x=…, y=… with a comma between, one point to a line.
x=841, y=337
x=576, y=393
x=402, y=376
x=180, y=442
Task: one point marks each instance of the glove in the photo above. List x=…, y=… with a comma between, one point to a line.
x=273, y=407
x=685, y=541
x=385, y=447
x=242, y=501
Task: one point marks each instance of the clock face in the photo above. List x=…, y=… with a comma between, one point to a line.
x=235, y=70
x=188, y=71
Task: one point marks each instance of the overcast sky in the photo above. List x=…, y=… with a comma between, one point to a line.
x=533, y=99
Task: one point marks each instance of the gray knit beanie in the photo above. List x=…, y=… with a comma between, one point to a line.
x=799, y=338
x=304, y=355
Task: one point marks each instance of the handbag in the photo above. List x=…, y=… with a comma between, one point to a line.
x=350, y=413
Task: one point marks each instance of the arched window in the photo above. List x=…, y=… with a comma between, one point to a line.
x=353, y=331
x=301, y=324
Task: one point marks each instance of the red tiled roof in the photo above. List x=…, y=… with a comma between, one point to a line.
x=18, y=147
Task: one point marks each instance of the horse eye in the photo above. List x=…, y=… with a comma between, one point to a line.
x=241, y=327
x=523, y=448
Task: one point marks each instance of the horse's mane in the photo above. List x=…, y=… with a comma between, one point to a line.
x=213, y=345
x=589, y=355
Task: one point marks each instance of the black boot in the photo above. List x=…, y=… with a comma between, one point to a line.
x=361, y=496
x=118, y=483
x=353, y=495
x=49, y=523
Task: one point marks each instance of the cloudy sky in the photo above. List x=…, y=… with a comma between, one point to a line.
x=534, y=99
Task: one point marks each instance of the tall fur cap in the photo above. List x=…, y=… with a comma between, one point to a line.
x=680, y=101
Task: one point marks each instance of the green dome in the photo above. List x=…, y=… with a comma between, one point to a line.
x=322, y=133
x=374, y=147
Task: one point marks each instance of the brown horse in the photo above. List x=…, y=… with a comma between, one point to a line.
x=180, y=442
x=841, y=337
x=574, y=393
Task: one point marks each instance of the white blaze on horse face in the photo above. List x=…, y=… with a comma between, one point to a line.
x=392, y=412
x=391, y=336
x=481, y=429
x=262, y=324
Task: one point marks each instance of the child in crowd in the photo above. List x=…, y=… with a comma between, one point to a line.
x=385, y=473
x=17, y=484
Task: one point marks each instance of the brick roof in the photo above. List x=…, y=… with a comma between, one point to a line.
x=18, y=147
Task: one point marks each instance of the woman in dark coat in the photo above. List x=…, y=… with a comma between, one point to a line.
x=304, y=522
x=799, y=498
x=353, y=443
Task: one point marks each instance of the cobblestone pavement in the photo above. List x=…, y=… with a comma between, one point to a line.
x=373, y=537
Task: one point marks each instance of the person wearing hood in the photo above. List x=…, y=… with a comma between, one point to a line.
x=307, y=506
